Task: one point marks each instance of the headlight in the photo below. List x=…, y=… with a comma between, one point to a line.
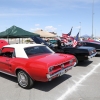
x=51, y=68
x=94, y=50
x=90, y=52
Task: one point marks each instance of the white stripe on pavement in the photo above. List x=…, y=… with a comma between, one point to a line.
x=70, y=90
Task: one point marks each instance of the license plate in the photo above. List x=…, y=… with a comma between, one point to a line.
x=62, y=72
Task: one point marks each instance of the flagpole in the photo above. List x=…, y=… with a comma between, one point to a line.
x=92, y=17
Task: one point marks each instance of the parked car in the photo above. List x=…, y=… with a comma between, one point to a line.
x=3, y=42
x=80, y=52
x=95, y=44
x=33, y=62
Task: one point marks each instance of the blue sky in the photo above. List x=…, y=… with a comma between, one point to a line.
x=51, y=15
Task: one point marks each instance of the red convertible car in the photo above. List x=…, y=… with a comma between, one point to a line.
x=33, y=62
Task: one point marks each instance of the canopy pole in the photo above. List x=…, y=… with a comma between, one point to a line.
x=22, y=40
x=19, y=40
x=8, y=38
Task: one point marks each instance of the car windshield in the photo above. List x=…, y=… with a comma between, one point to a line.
x=30, y=51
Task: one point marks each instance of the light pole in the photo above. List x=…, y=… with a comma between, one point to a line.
x=92, y=17
x=80, y=29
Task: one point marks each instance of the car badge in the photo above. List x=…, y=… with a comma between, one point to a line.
x=62, y=65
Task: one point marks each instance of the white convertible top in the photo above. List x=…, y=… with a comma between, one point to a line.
x=19, y=49
x=22, y=45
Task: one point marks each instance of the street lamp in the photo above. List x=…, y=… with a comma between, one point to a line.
x=92, y=17
x=80, y=29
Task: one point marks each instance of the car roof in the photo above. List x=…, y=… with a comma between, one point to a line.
x=22, y=45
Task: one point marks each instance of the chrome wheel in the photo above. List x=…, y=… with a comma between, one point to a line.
x=22, y=79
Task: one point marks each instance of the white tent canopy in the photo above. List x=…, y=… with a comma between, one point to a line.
x=44, y=33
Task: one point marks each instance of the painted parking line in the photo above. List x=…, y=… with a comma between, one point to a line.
x=70, y=90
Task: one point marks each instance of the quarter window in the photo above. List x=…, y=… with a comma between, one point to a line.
x=7, y=52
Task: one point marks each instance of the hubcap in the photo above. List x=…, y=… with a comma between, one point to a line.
x=22, y=79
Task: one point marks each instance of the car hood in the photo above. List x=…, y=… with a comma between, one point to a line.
x=51, y=58
x=95, y=42
x=86, y=48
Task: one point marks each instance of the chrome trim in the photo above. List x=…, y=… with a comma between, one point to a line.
x=63, y=62
x=98, y=52
x=49, y=77
x=93, y=55
x=8, y=74
x=62, y=65
x=97, y=49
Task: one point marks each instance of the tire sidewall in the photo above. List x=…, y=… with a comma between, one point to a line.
x=30, y=81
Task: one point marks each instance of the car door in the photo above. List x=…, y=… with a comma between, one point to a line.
x=5, y=66
x=5, y=60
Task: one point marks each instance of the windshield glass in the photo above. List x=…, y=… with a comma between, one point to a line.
x=30, y=51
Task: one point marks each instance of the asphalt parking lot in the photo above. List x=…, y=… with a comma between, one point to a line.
x=80, y=83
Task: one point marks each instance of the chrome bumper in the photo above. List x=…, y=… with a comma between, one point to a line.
x=98, y=51
x=60, y=73
x=93, y=55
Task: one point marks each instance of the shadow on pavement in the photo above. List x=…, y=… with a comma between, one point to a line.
x=44, y=86
x=98, y=55
x=84, y=63
x=8, y=77
x=47, y=86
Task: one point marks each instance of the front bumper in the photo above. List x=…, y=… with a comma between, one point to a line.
x=98, y=51
x=60, y=73
x=93, y=55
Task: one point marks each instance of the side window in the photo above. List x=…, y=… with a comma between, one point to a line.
x=14, y=54
x=7, y=52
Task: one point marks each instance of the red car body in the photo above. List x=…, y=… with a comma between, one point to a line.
x=3, y=43
x=16, y=60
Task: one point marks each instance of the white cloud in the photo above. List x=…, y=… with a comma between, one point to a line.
x=85, y=1
x=78, y=27
x=34, y=29
x=47, y=28
x=22, y=14
x=41, y=8
x=52, y=3
x=50, y=28
x=37, y=24
x=45, y=1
